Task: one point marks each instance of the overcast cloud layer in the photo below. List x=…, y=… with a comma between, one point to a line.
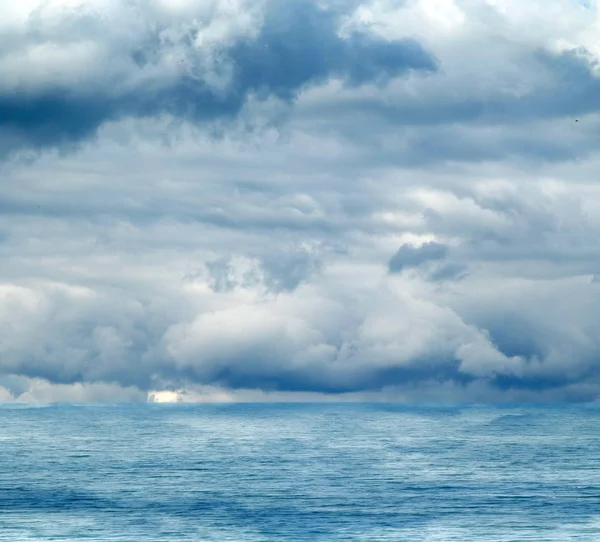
x=383, y=200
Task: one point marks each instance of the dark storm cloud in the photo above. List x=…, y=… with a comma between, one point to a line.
x=297, y=45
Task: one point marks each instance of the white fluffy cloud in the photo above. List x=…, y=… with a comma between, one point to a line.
x=250, y=201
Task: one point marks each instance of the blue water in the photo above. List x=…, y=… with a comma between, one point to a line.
x=299, y=472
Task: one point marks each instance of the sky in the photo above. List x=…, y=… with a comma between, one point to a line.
x=300, y=200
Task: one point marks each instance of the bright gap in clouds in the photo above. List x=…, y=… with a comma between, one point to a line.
x=231, y=201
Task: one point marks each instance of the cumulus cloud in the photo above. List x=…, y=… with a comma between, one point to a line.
x=276, y=201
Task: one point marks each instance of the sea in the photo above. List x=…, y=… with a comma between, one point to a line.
x=299, y=472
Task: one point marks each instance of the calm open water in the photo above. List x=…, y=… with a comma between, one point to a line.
x=346, y=472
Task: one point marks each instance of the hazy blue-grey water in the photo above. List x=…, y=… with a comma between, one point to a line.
x=299, y=473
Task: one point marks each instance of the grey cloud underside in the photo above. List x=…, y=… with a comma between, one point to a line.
x=297, y=46
x=512, y=119
x=409, y=256
x=431, y=258
x=568, y=87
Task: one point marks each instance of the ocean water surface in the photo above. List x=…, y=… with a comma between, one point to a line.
x=299, y=472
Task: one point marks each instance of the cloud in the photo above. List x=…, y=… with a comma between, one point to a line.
x=40, y=391
x=283, y=270
x=409, y=256
x=355, y=201
x=302, y=341
x=68, y=71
